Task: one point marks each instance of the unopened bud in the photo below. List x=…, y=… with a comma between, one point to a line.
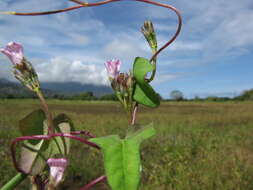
x=150, y=35
x=57, y=168
x=112, y=68
x=14, y=51
x=130, y=81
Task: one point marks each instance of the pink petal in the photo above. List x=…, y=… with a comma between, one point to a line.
x=14, y=51
x=57, y=168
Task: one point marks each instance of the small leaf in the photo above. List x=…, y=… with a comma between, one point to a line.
x=61, y=145
x=122, y=158
x=144, y=93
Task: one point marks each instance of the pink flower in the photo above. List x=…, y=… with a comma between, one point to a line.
x=14, y=51
x=57, y=167
x=112, y=68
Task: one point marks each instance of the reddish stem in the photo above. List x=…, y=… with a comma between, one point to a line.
x=94, y=182
x=48, y=137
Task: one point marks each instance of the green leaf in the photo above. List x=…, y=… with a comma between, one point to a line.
x=34, y=152
x=32, y=124
x=144, y=93
x=61, y=145
x=122, y=158
x=33, y=157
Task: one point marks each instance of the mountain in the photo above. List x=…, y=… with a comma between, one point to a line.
x=50, y=89
x=10, y=89
x=71, y=88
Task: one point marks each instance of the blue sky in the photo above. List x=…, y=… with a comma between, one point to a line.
x=212, y=56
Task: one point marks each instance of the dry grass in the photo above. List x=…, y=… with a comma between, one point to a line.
x=198, y=146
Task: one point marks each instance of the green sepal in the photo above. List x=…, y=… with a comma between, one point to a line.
x=33, y=124
x=144, y=93
x=122, y=158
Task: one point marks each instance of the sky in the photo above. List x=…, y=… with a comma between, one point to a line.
x=213, y=55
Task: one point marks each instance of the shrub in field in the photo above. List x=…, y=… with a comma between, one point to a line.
x=43, y=150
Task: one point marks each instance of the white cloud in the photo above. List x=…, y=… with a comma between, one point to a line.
x=62, y=70
x=163, y=27
x=212, y=30
x=122, y=49
x=126, y=46
x=162, y=78
x=154, y=12
x=185, y=46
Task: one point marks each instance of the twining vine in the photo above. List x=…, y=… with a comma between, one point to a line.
x=45, y=143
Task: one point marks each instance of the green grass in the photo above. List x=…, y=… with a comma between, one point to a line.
x=198, y=146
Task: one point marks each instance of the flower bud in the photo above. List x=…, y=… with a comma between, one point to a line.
x=113, y=68
x=14, y=51
x=57, y=167
x=130, y=81
x=150, y=35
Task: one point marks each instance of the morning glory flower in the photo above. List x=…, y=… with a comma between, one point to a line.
x=57, y=168
x=14, y=51
x=23, y=69
x=112, y=68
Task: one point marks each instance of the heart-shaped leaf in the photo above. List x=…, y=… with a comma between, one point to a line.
x=122, y=158
x=61, y=145
x=34, y=152
x=33, y=124
x=144, y=93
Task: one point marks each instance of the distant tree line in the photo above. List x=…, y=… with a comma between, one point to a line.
x=175, y=95
x=8, y=94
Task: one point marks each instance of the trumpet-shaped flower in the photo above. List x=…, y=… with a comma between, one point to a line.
x=14, y=51
x=23, y=69
x=57, y=168
x=113, y=68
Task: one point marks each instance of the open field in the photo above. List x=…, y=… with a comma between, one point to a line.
x=198, y=146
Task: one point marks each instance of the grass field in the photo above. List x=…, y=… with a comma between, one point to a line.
x=198, y=146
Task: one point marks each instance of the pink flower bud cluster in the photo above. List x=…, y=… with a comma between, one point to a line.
x=122, y=83
x=113, y=68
